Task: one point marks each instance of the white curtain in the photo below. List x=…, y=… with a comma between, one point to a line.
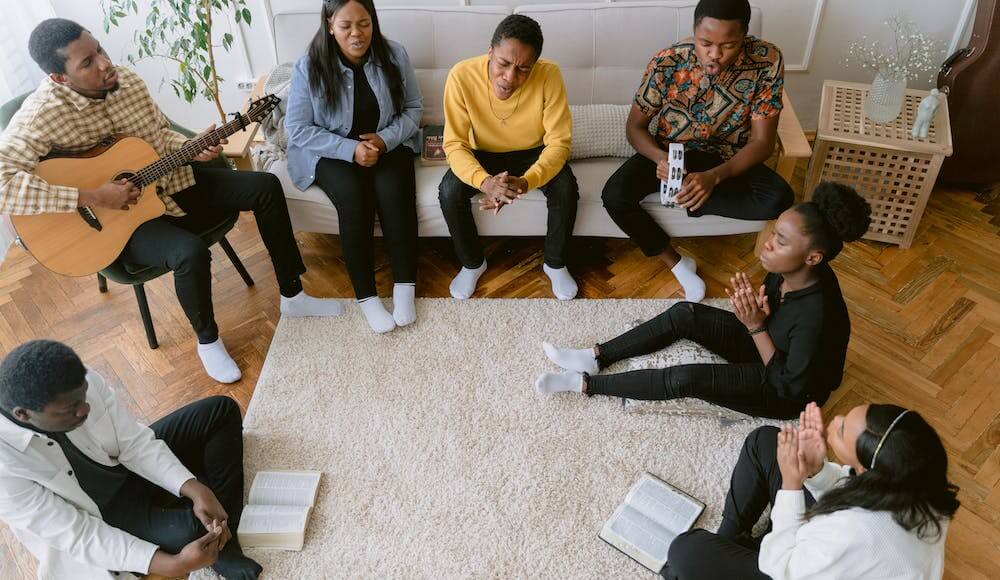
x=18, y=73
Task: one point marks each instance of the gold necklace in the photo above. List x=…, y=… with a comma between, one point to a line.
x=503, y=120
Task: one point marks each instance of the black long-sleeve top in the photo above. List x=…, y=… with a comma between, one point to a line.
x=810, y=329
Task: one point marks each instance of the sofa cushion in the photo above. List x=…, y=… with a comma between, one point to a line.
x=598, y=131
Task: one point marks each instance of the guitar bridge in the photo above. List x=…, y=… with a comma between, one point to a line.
x=88, y=216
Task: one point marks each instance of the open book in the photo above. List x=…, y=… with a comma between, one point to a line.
x=646, y=523
x=278, y=509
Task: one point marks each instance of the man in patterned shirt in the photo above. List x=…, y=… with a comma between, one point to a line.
x=86, y=99
x=720, y=95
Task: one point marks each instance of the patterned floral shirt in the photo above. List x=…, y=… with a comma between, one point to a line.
x=57, y=118
x=711, y=114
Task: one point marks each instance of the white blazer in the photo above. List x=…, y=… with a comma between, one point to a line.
x=48, y=511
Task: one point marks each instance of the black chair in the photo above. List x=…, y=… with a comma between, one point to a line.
x=136, y=275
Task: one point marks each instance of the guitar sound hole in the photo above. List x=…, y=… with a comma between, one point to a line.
x=128, y=175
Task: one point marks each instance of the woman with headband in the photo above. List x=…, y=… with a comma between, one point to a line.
x=785, y=342
x=883, y=514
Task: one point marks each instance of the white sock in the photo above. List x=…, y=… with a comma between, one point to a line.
x=404, y=311
x=581, y=360
x=565, y=382
x=378, y=317
x=694, y=286
x=464, y=284
x=563, y=285
x=218, y=364
x=304, y=305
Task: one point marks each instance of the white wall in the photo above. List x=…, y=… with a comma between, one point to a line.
x=788, y=23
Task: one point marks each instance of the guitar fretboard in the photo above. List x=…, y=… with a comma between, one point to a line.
x=164, y=165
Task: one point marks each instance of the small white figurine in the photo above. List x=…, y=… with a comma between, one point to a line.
x=925, y=113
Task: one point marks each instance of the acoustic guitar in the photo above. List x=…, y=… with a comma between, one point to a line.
x=91, y=238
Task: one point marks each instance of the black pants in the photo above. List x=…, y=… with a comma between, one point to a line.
x=388, y=189
x=758, y=194
x=738, y=385
x=732, y=552
x=172, y=242
x=561, y=197
x=207, y=437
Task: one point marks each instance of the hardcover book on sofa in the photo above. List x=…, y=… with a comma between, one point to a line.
x=278, y=509
x=646, y=523
x=432, y=146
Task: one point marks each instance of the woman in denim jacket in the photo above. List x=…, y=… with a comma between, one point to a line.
x=353, y=119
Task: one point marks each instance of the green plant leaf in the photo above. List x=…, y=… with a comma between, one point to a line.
x=246, y=15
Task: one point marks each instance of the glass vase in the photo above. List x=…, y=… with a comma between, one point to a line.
x=885, y=98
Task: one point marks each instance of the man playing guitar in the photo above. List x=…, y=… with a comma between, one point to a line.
x=86, y=99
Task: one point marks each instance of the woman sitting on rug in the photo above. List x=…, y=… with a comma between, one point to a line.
x=353, y=121
x=884, y=514
x=786, y=343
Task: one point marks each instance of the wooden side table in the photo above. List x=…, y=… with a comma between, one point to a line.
x=894, y=171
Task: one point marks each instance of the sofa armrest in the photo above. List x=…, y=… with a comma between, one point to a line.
x=791, y=137
x=792, y=142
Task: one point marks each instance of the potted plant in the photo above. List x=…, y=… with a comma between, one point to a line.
x=910, y=54
x=182, y=31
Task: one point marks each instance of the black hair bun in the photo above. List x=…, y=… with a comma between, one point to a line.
x=848, y=214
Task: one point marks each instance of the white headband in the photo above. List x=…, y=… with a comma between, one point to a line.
x=886, y=434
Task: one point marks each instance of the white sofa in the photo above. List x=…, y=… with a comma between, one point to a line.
x=602, y=49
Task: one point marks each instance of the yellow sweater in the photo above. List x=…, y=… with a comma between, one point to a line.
x=536, y=114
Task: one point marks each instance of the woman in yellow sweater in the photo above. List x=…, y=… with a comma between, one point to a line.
x=507, y=131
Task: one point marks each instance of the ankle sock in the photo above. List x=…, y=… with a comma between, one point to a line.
x=464, y=284
x=378, y=317
x=303, y=304
x=404, y=310
x=563, y=284
x=564, y=382
x=218, y=364
x=694, y=286
x=581, y=360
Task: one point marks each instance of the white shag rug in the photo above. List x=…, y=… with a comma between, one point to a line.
x=441, y=461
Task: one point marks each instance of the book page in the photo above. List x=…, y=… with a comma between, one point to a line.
x=273, y=519
x=639, y=536
x=284, y=488
x=669, y=508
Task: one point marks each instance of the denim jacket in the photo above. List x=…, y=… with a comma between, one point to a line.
x=315, y=130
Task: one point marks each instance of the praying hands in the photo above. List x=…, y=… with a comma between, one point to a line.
x=751, y=307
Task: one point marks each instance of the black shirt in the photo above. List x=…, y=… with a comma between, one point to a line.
x=366, y=110
x=101, y=482
x=810, y=330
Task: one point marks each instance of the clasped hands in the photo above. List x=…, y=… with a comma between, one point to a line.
x=369, y=149
x=500, y=190
x=695, y=188
x=750, y=307
x=802, y=450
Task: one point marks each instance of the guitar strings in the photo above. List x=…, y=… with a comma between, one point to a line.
x=154, y=171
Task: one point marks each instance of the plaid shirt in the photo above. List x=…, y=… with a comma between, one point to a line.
x=711, y=114
x=57, y=118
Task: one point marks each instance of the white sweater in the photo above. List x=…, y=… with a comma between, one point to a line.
x=849, y=544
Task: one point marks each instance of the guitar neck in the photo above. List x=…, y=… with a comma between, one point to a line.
x=166, y=164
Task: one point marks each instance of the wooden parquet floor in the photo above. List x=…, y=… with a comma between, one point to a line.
x=926, y=331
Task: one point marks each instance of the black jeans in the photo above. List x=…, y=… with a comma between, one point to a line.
x=388, y=189
x=172, y=242
x=758, y=194
x=561, y=197
x=207, y=437
x=738, y=385
x=732, y=552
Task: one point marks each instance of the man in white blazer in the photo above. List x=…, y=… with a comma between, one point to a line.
x=94, y=494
